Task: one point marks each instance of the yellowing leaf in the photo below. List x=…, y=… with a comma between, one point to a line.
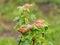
x=26, y=20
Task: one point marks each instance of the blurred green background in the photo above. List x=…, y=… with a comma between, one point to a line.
x=48, y=10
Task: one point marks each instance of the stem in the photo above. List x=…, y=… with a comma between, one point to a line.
x=33, y=42
x=19, y=42
x=33, y=39
x=43, y=35
x=41, y=43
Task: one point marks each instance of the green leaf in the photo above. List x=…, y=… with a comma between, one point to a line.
x=16, y=18
x=21, y=11
x=32, y=17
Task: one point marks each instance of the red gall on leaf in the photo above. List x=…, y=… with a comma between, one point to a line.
x=29, y=27
x=39, y=23
x=25, y=29
x=22, y=30
x=27, y=6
